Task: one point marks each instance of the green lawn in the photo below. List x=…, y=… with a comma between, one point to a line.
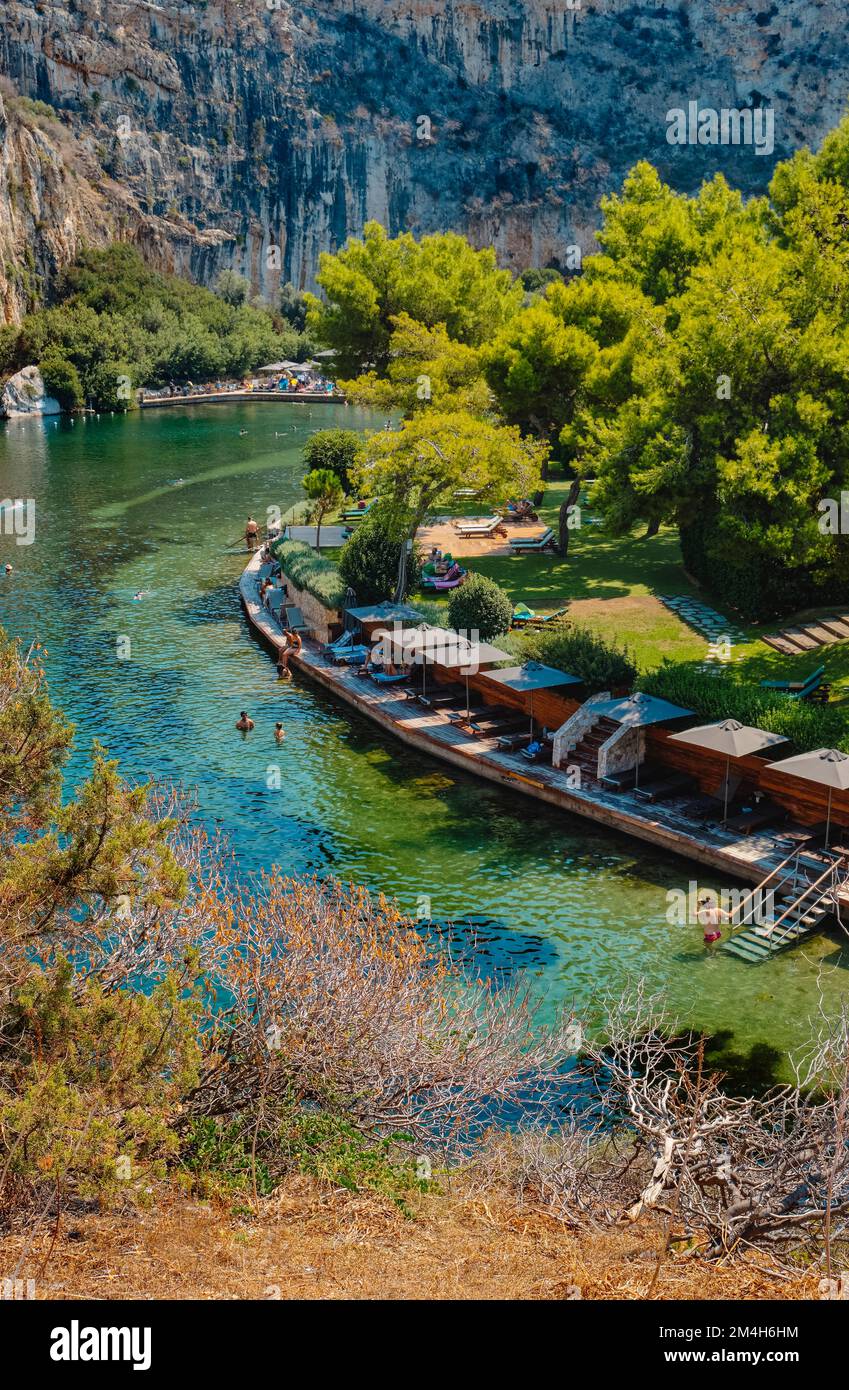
x=612, y=584
x=597, y=570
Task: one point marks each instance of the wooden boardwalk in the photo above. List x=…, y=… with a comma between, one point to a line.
x=749, y=858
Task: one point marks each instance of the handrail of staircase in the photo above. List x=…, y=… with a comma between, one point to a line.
x=830, y=871
x=794, y=854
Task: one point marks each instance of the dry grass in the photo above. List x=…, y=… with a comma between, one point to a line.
x=311, y=1242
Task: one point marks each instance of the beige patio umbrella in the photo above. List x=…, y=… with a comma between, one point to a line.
x=732, y=738
x=441, y=647
x=826, y=766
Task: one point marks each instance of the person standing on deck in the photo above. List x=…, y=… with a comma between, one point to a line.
x=251, y=534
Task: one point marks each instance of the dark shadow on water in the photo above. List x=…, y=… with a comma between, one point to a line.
x=751, y=1072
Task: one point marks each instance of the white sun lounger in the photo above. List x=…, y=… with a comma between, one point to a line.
x=478, y=528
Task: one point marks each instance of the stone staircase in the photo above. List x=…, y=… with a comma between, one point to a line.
x=585, y=753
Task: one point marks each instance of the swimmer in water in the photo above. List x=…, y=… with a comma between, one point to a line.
x=8, y=569
x=279, y=732
x=244, y=723
x=141, y=593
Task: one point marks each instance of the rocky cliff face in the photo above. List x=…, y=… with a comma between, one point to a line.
x=257, y=133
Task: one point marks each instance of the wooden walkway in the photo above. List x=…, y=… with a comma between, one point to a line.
x=749, y=858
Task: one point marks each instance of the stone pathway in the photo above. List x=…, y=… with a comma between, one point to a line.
x=719, y=632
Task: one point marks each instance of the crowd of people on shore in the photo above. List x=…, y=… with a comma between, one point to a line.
x=286, y=383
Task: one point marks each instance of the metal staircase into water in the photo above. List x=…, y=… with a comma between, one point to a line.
x=804, y=894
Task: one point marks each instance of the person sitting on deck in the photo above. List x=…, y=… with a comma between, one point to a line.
x=244, y=723
x=264, y=588
x=293, y=646
x=251, y=534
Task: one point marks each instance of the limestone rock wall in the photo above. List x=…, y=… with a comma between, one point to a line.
x=257, y=133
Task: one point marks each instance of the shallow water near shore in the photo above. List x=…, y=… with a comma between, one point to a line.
x=151, y=503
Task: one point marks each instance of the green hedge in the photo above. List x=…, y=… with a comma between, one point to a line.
x=311, y=572
x=600, y=665
x=724, y=697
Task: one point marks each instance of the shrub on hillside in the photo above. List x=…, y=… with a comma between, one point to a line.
x=480, y=605
x=600, y=665
x=369, y=562
x=311, y=572
x=723, y=697
x=62, y=380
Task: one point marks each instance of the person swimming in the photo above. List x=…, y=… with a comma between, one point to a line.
x=244, y=723
x=279, y=732
x=140, y=594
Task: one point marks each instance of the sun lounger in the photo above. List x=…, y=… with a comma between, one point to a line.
x=794, y=685
x=526, y=617
x=758, y=818
x=384, y=678
x=441, y=696
x=803, y=836
x=539, y=751
x=544, y=542
x=510, y=743
x=274, y=602
x=495, y=712
x=494, y=525
x=798, y=690
x=452, y=577
x=489, y=728
x=622, y=781
x=665, y=787
x=351, y=656
x=295, y=619
x=341, y=643
x=356, y=513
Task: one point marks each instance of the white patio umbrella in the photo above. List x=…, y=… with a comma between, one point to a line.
x=826, y=766
x=732, y=738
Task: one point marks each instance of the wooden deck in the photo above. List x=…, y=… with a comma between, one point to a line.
x=749, y=858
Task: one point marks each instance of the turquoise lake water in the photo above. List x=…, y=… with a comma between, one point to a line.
x=149, y=503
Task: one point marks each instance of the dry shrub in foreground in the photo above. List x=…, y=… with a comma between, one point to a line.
x=337, y=1002
x=729, y=1174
